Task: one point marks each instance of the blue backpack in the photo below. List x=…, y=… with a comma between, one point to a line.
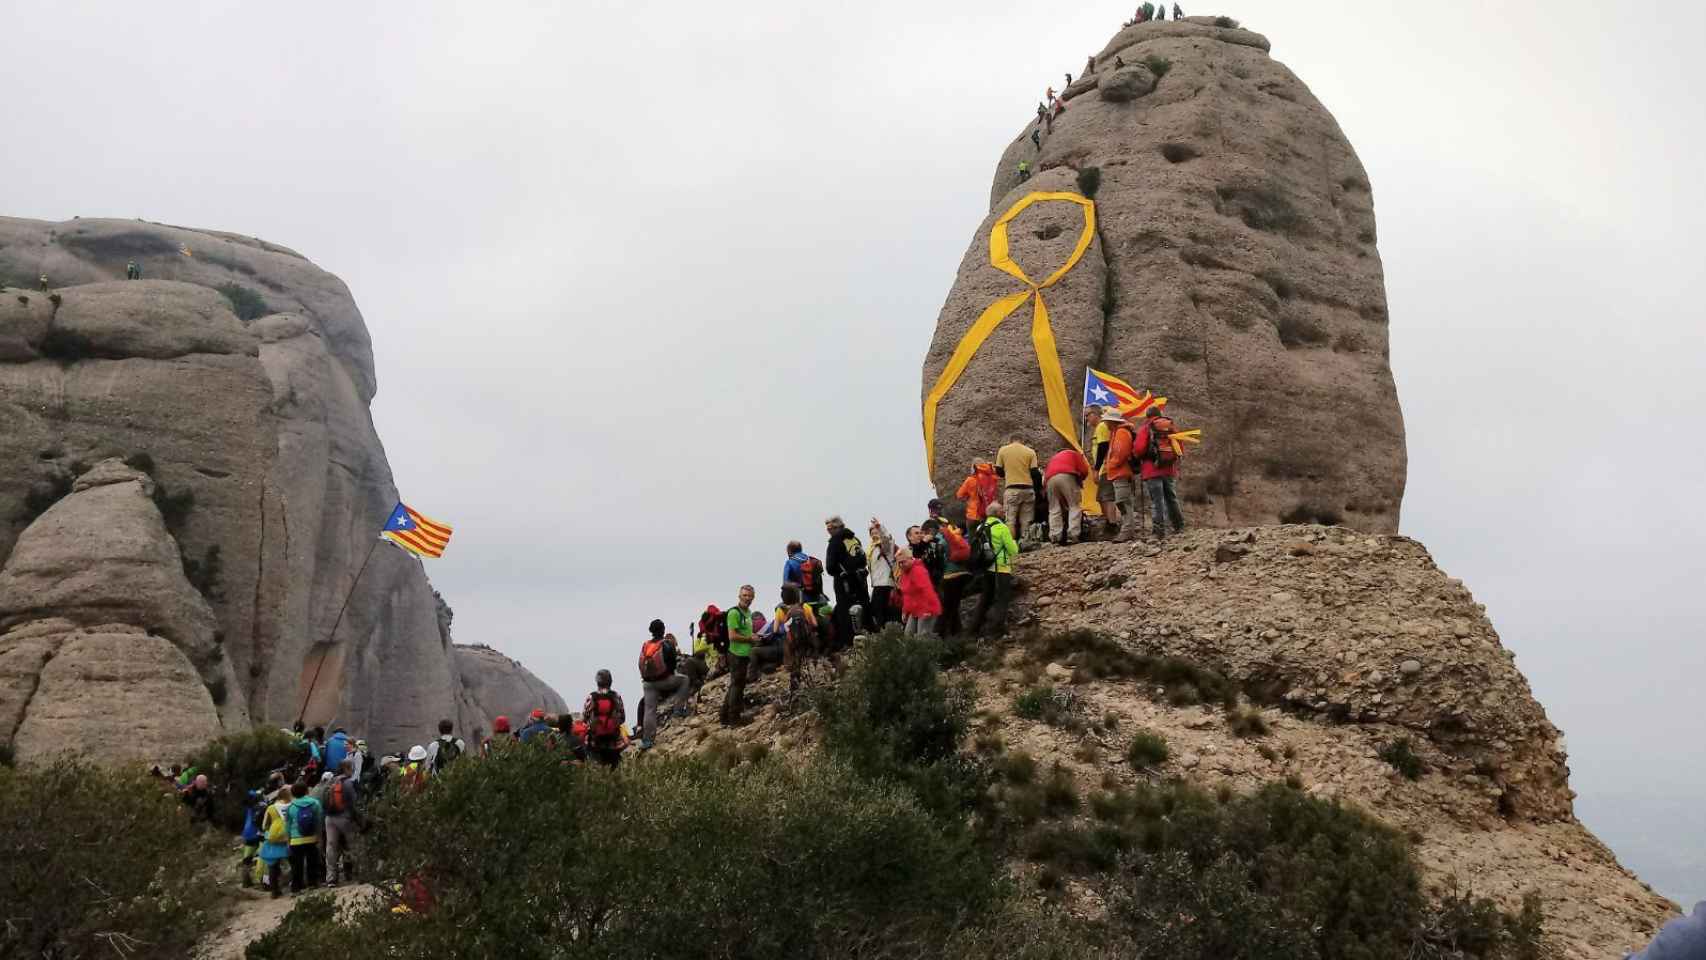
x=307, y=820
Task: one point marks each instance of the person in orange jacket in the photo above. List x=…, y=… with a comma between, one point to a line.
x=979, y=490
x=1117, y=469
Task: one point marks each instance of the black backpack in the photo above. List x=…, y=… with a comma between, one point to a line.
x=447, y=751
x=982, y=548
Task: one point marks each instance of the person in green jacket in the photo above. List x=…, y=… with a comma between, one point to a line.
x=997, y=580
x=740, y=653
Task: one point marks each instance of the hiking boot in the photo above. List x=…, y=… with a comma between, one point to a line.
x=645, y=745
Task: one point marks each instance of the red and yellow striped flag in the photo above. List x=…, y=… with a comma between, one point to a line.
x=418, y=534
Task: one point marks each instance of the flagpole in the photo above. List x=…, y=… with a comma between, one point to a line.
x=335, y=624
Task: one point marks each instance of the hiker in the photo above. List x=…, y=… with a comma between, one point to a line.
x=1177, y=13
x=132, y=271
x=1068, y=83
x=444, y=750
x=797, y=625
x=44, y=283
x=199, y=798
x=1037, y=137
x=604, y=715
x=844, y=561
x=415, y=772
x=740, y=651
x=536, y=725
x=1024, y=170
x=1117, y=468
x=1064, y=482
x=919, y=604
x=950, y=550
x=1158, y=463
x=342, y=817
x=1089, y=66
x=1100, y=435
x=500, y=737
x=304, y=817
x=358, y=759
x=713, y=641
x=881, y=552
x=275, y=839
x=804, y=571
x=1161, y=12
x=572, y=736
x=1119, y=62
x=337, y=747
x=254, y=810
x=992, y=551
x=658, y=658
x=1016, y=465
x=979, y=490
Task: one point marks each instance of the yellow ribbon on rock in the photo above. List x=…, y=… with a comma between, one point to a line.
x=1042, y=335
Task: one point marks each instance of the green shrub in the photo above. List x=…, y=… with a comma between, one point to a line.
x=1247, y=722
x=1148, y=749
x=1060, y=792
x=1089, y=180
x=239, y=762
x=1018, y=767
x=891, y=716
x=1401, y=754
x=670, y=857
x=1057, y=708
x=1158, y=65
x=1030, y=704
x=1226, y=22
x=99, y=863
x=245, y=303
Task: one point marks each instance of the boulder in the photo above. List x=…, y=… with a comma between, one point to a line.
x=1235, y=271
x=493, y=684
x=1126, y=83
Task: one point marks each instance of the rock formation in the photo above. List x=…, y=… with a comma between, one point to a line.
x=234, y=379
x=495, y=685
x=1233, y=270
x=1345, y=643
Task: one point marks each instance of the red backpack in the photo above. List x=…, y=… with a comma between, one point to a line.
x=338, y=797
x=959, y=548
x=714, y=627
x=652, y=665
x=603, y=724
x=1161, y=450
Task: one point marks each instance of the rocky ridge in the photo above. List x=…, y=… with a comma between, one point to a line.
x=1233, y=269
x=234, y=380
x=1344, y=643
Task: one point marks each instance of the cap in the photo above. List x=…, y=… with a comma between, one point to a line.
x=500, y=725
x=417, y=752
x=536, y=715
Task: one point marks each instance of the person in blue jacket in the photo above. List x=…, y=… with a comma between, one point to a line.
x=1681, y=939
x=337, y=748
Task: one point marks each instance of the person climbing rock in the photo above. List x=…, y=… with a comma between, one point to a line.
x=1037, y=137
x=658, y=660
x=1016, y=465
x=844, y=561
x=740, y=651
x=132, y=271
x=1063, y=482
x=1119, y=62
x=1089, y=66
x=1117, y=468
x=604, y=716
x=797, y=625
x=1158, y=460
x=1024, y=170
x=919, y=604
x=1068, y=83
x=992, y=551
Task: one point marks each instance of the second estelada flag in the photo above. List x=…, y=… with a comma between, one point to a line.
x=418, y=534
x=1105, y=390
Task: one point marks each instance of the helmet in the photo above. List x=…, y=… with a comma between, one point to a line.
x=417, y=752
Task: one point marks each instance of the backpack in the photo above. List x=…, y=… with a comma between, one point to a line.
x=714, y=628
x=959, y=548
x=652, y=665
x=1161, y=450
x=811, y=577
x=982, y=553
x=276, y=829
x=799, y=629
x=855, y=553
x=337, y=798
x=602, y=724
x=307, y=819
x=447, y=751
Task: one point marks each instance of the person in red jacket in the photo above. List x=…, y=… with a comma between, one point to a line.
x=1063, y=481
x=1158, y=464
x=919, y=605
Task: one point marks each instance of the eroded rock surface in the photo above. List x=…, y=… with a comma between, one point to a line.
x=1236, y=238
x=494, y=685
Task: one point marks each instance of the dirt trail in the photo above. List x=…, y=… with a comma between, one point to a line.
x=255, y=914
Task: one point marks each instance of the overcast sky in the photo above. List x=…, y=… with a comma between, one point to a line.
x=650, y=284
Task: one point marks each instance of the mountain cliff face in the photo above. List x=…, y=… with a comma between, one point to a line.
x=234, y=381
x=1232, y=269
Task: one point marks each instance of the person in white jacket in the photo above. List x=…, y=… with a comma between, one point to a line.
x=880, y=559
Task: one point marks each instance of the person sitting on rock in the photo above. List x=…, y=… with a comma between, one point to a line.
x=1158, y=459
x=1037, y=137
x=1063, y=483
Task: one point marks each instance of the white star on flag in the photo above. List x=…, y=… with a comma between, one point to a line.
x=1101, y=394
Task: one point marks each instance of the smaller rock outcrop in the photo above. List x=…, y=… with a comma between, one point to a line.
x=493, y=684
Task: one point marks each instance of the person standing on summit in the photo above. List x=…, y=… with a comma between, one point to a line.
x=1016, y=465
x=658, y=659
x=740, y=652
x=1064, y=483
x=844, y=561
x=804, y=572
x=1158, y=464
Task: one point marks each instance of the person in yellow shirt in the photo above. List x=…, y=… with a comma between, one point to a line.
x=1017, y=466
x=1101, y=433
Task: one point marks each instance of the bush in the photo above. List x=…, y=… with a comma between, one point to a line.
x=239, y=762
x=1401, y=754
x=1247, y=722
x=1018, y=767
x=1226, y=22
x=1089, y=180
x=1148, y=749
x=1158, y=65
x=1057, y=708
x=642, y=862
x=245, y=303
x=99, y=863
x=891, y=717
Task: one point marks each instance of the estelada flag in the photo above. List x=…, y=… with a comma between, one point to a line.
x=418, y=534
x=1105, y=389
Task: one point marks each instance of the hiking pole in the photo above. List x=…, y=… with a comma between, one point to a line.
x=335, y=624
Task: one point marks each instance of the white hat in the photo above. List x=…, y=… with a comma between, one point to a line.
x=417, y=752
x=1112, y=415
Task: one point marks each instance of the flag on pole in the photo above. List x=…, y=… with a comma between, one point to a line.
x=1105, y=389
x=419, y=535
